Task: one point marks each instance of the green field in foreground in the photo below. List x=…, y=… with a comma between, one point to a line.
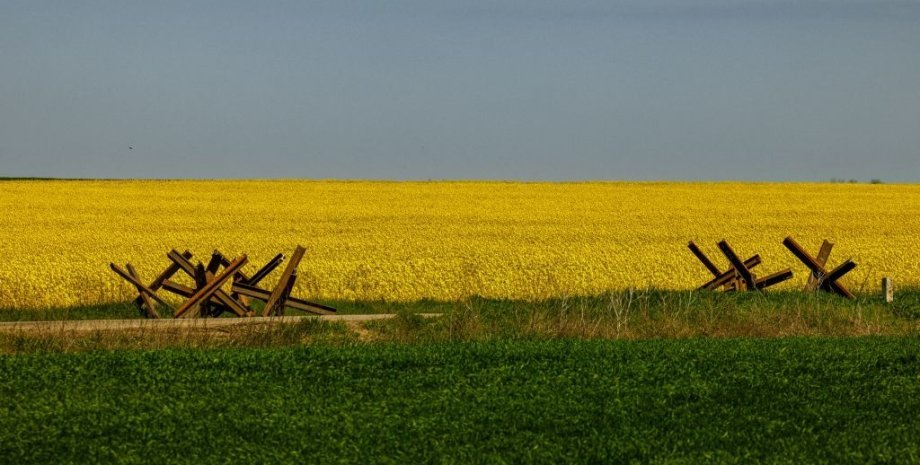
x=795, y=400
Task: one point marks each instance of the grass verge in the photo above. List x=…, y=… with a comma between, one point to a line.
x=648, y=314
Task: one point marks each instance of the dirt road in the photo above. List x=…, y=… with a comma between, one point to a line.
x=189, y=323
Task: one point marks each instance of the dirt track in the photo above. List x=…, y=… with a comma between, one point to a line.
x=190, y=323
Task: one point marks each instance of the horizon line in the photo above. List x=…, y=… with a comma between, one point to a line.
x=469, y=180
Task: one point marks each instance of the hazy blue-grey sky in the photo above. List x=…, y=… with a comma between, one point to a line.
x=504, y=89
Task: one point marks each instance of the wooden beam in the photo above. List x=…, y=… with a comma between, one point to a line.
x=775, y=278
x=703, y=258
x=200, y=276
x=841, y=270
x=232, y=304
x=804, y=256
x=212, y=287
x=726, y=277
x=179, y=289
x=199, y=310
x=265, y=270
x=814, y=279
x=214, y=263
x=185, y=291
x=222, y=296
x=166, y=274
x=283, y=281
x=736, y=263
x=182, y=263
x=141, y=287
x=239, y=276
x=224, y=261
x=830, y=281
x=291, y=302
x=827, y=280
x=279, y=307
x=151, y=310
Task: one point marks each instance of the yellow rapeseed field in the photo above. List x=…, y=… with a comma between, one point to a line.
x=404, y=241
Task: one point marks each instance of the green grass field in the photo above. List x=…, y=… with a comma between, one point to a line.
x=800, y=400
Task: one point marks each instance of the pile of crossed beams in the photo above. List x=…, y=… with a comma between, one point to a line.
x=208, y=300
x=738, y=276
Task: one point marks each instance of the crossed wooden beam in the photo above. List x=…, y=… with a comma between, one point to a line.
x=207, y=285
x=738, y=276
x=820, y=278
x=726, y=279
x=208, y=299
x=280, y=297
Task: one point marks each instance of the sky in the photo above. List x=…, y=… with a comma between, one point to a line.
x=797, y=90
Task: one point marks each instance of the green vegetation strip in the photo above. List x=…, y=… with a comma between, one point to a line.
x=907, y=304
x=802, y=400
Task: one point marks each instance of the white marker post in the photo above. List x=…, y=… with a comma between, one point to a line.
x=888, y=289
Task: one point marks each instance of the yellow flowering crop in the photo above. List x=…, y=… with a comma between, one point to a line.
x=403, y=241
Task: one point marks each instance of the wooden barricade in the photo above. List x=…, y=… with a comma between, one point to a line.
x=738, y=276
x=208, y=299
x=820, y=278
